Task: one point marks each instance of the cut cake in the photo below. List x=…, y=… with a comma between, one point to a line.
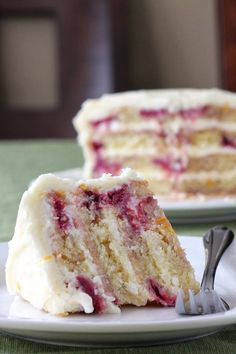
x=94, y=246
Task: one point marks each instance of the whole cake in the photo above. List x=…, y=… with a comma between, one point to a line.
x=95, y=245
x=181, y=141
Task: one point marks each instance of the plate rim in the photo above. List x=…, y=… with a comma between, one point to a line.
x=179, y=324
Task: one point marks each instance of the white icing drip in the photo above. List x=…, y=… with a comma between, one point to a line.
x=85, y=301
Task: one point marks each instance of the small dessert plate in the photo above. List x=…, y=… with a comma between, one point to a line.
x=185, y=210
x=134, y=326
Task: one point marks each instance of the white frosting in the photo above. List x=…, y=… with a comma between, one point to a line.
x=30, y=269
x=185, y=152
x=173, y=99
x=172, y=127
x=175, y=125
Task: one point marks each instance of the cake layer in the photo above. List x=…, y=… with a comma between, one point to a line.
x=129, y=141
x=95, y=245
x=170, y=129
x=171, y=164
x=209, y=183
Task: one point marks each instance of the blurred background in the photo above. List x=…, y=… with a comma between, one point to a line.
x=54, y=54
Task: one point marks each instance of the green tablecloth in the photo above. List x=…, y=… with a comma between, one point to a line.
x=22, y=161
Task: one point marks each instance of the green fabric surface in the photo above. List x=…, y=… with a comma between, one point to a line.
x=23, y=161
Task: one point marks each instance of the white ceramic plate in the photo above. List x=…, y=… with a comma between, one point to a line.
x=197, y=210
x=134, y=326
x=187, y=210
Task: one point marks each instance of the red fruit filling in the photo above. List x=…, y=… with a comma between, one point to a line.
x=136, y=212
x=96, y=145
x=153, y=113
x=87, y=286
x=58, y=205
x=228, y=142
x=102, y=165
x=118, y=197
x=159, y=294
x=105, y=122
x=193, y=113
x=140, y=217
x=171, y=166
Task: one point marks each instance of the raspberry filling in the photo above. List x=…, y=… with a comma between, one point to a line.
x=153, y=113
x=58, y=204
x=102, y=165
x=137, y=212
x=87, y=286
x=171, y=166
x=228, y=142
x=104, y=122
x=191, y=113
x=159, y=294
x=96, y=145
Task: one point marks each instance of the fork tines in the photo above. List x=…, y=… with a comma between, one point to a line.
x=205, y=302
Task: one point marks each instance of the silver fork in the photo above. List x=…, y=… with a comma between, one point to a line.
x=207, y=301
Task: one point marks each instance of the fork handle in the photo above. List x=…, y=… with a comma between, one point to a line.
x=215, y=241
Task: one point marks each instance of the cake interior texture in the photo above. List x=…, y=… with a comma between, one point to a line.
x=94, y=246
x=181, y=141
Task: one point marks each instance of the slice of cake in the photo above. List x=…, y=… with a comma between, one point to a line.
x=95, y=245
x=181, y=141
